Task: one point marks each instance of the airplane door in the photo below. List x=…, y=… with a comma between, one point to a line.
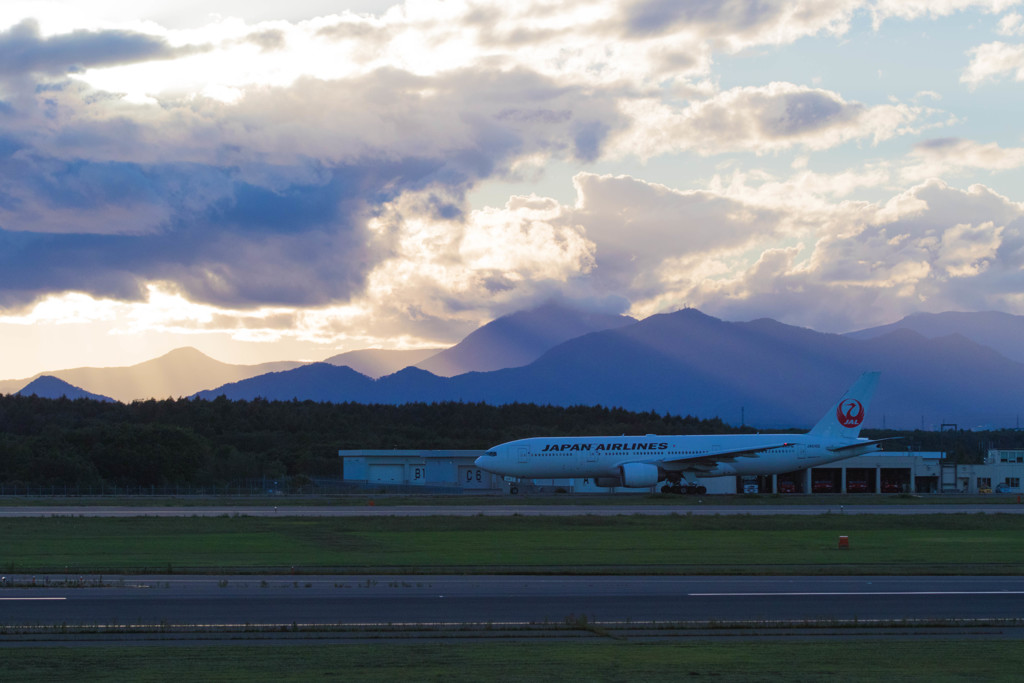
x=524, y=454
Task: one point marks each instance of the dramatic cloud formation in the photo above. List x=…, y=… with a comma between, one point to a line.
x=395, y=175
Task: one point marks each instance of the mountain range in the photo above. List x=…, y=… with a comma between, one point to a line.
x=760, y=372
x=510, y=341
x=181, y=372
x=379, y=362
x=1000, y=331
x=48, y=386
x=947, y=368
x=518, y=339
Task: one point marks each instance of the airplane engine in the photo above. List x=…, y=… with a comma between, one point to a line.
x=640, y=475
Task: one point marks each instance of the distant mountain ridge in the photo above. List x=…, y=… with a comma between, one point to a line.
x=1003, y=332
x=379, y=362
x=519, y=339
x=766, y=372
x=48, y=386
x=509, y=341
x=181, y=372
x=687, y=362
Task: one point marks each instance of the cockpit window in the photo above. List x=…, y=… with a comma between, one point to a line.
x=493, y=454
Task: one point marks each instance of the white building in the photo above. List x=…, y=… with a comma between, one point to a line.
x=423, y=470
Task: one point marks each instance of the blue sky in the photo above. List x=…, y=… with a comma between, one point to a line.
x=267, y=181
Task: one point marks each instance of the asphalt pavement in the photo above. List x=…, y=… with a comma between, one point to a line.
x=378, y=601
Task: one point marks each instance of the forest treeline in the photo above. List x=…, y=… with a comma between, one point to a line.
x=193, y=442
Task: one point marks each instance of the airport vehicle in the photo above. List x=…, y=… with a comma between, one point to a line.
x=643, y=462
x=823, y=486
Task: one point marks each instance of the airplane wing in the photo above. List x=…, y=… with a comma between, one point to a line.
x=859, y=444
x=709, y=461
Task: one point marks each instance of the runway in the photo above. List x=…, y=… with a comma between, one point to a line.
x=503, y=510
x=368, y=602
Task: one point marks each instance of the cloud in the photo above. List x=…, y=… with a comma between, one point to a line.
x=332, y=171
x=272, y=198
x=759, y=119
x=931, y=248
x=485, y=260
x=913, y=9
x=993, y=60
x=787, y=250
x=614, y=43
x=1011, y=24
x=265, y=201
x=303, y=243
x=639, y=227
x=941, y=157
x=622, y=238
x=24, y=51
x=736, y=24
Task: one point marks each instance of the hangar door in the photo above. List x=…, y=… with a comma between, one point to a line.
x=386, y=474
x=473, y=478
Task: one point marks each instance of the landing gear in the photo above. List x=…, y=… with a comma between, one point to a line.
x=688, y=490
x=674, y=484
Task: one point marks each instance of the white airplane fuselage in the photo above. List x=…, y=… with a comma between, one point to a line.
x=603, y=456
x=643, y=461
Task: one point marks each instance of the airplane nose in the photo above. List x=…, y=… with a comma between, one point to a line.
x=487, y=460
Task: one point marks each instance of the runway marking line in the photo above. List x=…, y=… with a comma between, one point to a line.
x=850, y=594
x=10, y=599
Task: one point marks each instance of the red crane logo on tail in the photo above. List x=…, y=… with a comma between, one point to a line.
x=850, y=413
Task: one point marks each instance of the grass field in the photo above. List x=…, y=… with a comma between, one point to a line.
x=898, y=544
x=893, y=661
x=879, y=544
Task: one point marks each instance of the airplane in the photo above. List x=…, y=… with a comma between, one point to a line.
x=643, y=462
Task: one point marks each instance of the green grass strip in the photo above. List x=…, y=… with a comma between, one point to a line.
x=598, y=660
x=917, y=544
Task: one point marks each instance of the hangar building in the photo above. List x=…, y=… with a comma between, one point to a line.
x=454, y=471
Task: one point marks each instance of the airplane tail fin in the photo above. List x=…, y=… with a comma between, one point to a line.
x=846, y=416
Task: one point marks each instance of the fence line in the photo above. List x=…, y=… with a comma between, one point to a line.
x=107, y=490
x=248, y=489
